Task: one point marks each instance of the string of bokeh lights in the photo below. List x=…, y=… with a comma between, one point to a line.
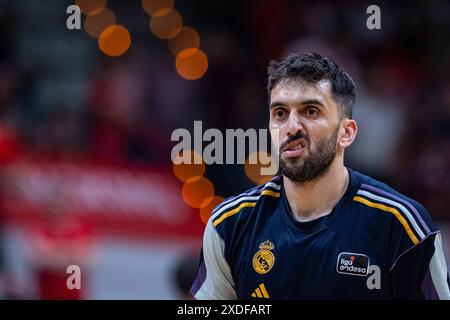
x=198, y=192
x=191, y=63
x=166, y=23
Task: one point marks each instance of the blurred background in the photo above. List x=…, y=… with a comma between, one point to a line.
x=86, y=118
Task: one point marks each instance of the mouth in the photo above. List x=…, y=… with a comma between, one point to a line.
x=294, y=148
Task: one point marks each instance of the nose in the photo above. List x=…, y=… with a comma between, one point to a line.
x=294, y=124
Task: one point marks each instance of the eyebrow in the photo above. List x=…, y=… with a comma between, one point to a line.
x=304, y=102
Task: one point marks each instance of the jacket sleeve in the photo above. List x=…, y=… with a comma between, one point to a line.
x=420, y=272
x=214, y=279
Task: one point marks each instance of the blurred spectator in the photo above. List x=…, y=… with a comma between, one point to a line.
x=184, y=273
x=11, y=149
x=380, y=120
x=57, y=242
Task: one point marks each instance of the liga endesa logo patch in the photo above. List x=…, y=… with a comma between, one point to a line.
x=353, y=263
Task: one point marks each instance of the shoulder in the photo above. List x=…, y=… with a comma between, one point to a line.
x=413, y=218
x=234, y=210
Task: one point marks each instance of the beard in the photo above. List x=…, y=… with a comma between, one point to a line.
x=314, y=164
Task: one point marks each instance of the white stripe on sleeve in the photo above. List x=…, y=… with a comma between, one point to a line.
x=438, y=270
x=219, y=282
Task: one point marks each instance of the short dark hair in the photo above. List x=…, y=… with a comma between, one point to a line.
x=312, y=67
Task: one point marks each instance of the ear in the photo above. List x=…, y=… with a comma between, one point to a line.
x=348, y=130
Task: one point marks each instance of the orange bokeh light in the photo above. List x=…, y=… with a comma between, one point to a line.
x=196, y=190
x=91, y=7
x=185, y=39
x=96, y=23
x=253, y=170
x=185, y=171
x=208, y=206
x=115, y=40
x=153, y=6
x=166, y=23
x=192, y=64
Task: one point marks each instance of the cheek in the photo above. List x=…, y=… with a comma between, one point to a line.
x=315, y=138
x=275, y=137
x=322, y=138
x=278, y=126
x=273, y=124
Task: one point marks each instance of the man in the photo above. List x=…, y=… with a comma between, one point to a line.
x=320, y=230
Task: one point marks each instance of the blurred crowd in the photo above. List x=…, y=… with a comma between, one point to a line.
x=402, y=73
x=62, y=98
x=127, y=107
x=123, y=110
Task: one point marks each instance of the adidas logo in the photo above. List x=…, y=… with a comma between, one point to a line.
x=260, y=292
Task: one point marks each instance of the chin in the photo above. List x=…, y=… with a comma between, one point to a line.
x=293, y=167
x=294, y=162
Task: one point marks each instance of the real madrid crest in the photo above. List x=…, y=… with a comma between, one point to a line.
x=263, y=260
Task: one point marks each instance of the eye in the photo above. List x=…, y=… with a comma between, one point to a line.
x=279, y=113
x=312, y=112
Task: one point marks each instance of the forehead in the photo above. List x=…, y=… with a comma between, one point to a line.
x=292, y=90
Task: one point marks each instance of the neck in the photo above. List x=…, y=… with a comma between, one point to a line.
x=313, y=199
